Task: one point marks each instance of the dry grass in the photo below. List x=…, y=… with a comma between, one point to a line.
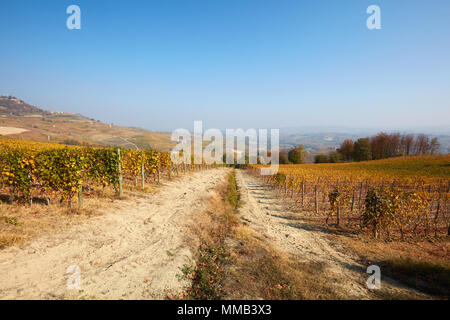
x=207, y=239
x=259, y=271
x=31, y=222
x=423, y=264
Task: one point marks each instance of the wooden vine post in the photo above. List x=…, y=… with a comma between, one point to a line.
x=80, y=197
x=159, y=173
x=316, y=203
x=353, y=201
x=437, y=214
x=303, y=194
x=120, y=174
x=338, y=213
x=285, y=185
x=292, y=187
x=31, y=195
x=142, y=172
x=360, y=197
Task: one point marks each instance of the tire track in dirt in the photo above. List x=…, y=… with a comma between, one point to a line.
x=268, y=214
x=131, y=252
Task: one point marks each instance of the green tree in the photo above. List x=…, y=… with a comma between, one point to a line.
x=297, y=155
x=335, y=157
x=362, y=150
x=283, y=157
x=321, y=158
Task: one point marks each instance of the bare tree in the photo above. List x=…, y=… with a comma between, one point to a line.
x=346, y=149
x=407, y=143
x=422, y=145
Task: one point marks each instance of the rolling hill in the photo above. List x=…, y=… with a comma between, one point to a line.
x=20, y=120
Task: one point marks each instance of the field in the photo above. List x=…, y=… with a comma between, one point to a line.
x=429, y=168
x=391, y=197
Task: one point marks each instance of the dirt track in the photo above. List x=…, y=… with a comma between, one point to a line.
x=134, y=252
x=267, y=214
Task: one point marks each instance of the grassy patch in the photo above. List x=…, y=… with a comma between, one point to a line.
x=235, y=262
x=169, y=253
x=232, y=193
x=208, y=274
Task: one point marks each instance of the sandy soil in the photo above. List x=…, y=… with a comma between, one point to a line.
x=11, y=130
x=266, y=213
x=133, y=252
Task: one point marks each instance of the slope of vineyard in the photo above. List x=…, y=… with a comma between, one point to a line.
x=415, y=167
x=36, y=124
x=400, y=196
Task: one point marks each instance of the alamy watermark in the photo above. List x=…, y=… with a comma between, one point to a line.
x=374, y=281
x=241, y=147
x=73, y=22
x=74, y=280
x=374, y=20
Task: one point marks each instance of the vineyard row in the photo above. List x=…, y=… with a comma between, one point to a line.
x=379, y=206
x=29, y=170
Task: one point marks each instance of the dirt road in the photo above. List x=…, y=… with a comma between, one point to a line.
x=133, y=252
x=267, y=214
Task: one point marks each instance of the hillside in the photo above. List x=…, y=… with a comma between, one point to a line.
x=11, y=106
x=20, y=120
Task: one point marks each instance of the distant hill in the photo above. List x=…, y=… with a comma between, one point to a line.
x=20, y=120
x=11, y=106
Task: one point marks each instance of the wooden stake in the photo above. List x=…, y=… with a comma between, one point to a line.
x=142, y=176
x=292, y=188
x=338, y=214
x=353, y=201
x=303, y=194
x=80, y=197
x=360, y=197
x=315, y=200
x=159, y=173
x=120, y=174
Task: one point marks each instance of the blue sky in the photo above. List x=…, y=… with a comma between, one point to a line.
x=235, y=63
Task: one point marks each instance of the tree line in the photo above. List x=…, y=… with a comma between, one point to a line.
x=382, y=146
